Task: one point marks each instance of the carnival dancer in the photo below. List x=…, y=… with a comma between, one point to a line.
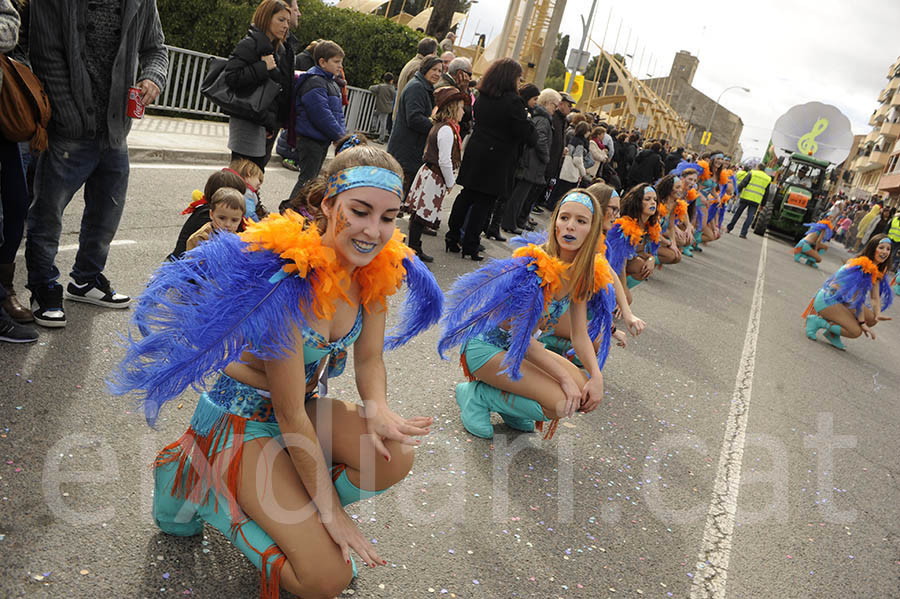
x=274, y=311
x=437, y=176
x=815, y=243
x=672, y=211
x=688, y=172
x=493, y=312
x=853, y=299
x=634, y=238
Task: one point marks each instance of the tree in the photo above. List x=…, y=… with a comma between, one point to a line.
x=604, y=67
x=441, y=18
x=556, y=75
x=562, y=47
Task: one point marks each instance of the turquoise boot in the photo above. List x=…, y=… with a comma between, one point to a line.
x=814, y=323
x=798, y=257
x=172, y=515
x=698, y=238
x=632, y=282
x=833, y=336
x=477, y=400
x=686, y=250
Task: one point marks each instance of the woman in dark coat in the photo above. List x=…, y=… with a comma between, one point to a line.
x=489, y=163
x=413, y=122
x=260, y=57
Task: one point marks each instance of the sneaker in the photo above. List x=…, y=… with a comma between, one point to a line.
x=290, y=165
x=13, y=332
x=98, y=292
x=47, y=306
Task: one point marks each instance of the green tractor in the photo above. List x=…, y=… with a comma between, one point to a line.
x=798, y=197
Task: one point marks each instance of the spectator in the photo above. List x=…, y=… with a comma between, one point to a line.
x=320, y=113
x=673, y=159
x=608, y=142
x=489, y=163
x=413, y=121
x=626, y=157
x=573, y=171
x=648, y=166
x=532, y=171
x=385, y=95
x=459, y=75
x=226, y=212
x=447, y=58
x=198, y=210
x=427, y=46
x=253, y=178
x=304, y=60
x=13, y=208
x=448, y=41
x=598, y=151
x=557, y=145
x=86, y=138
x=259, y=58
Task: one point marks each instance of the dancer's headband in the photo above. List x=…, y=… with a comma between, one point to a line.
x=886, y=240
x=582, y=198
x=648, y=189
x=364, y=176
x=350, y=143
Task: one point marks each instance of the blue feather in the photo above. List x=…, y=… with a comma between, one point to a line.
x=849, y=285
x=528, y=237
x=422, y=307
x=601, y=306
x=684, y=165
x=501, y=291
x=887, y=297
x=818, y=228
x=618, y=248
x=712, y=213
x=199, y=313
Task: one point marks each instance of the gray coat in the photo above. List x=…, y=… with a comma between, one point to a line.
x=533, y=164
x=57, y=43
x=412, y=123
x=9, y=29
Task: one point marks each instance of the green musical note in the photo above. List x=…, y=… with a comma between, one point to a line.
x=807, y=144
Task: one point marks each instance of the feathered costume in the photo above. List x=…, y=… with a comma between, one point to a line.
x=852, y=284
x=822, y=226
x=624, y=239
x=249, y=292
x=498, y=308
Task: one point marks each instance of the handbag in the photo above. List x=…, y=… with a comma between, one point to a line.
x=24, y=105
x=252, y=106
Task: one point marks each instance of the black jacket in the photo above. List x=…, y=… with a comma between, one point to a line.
x=413, y=123
x=557, y=144
x=533, y=164
x=672, y=160
x=501, y=128
x=245, y=71
x=647, y=168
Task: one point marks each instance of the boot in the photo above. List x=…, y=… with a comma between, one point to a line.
x=814, y=323
x=477, y=400
x=416, y=226
x=11, y=304
x=833, y=336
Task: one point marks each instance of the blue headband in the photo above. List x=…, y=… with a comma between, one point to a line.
x=886, y=240
x=580, y=197
x=718, y=156
x=350, y=143
x=615, y=194
x=364, y=176
x=649, y=188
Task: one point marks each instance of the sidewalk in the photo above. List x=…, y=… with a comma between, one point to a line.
x=189, y=141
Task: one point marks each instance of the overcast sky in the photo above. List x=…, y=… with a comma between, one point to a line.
x=787, y=52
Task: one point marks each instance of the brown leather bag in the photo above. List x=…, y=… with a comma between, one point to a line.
x=24, y=105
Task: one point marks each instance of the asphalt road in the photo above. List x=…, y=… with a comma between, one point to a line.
x=616, y=505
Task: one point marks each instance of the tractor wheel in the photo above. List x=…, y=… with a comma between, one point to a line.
x=763, y=216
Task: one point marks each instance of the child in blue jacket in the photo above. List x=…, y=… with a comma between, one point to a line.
x=320, y=114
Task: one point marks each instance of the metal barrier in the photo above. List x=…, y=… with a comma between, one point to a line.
x=187, y=70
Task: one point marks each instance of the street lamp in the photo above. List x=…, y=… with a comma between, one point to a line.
x=711, y=118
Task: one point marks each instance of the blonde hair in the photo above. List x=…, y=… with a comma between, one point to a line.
x=246, y=169
x=581, y=270
x=312, y=194
x=601, y=192
x=446, y=112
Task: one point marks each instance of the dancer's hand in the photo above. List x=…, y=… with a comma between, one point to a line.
x=573, y=397
x=620, y=337
x=383, y=423
x=635, y=325
x=647, y=268
x=347, y=535
x=867, y=331
x=592, y=394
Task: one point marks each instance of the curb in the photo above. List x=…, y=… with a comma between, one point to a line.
x=143, y=154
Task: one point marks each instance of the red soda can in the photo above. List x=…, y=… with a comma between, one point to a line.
x=135, y=106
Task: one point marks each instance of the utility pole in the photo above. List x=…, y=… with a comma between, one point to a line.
x=586, y=27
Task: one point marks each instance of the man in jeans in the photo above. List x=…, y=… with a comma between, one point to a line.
x=87, y=56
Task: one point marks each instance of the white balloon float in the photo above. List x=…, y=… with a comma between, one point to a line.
x=815, y=129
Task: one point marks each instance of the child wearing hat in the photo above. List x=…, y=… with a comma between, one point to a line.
x=437, y=176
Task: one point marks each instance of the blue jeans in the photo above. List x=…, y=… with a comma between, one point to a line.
x=61, y=171
x=751, y=212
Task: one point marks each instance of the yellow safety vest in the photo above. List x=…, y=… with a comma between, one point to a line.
x=755, y=189
x=894, y=232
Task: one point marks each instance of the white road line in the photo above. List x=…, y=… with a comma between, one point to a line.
x=711, y=571
x=74, y=246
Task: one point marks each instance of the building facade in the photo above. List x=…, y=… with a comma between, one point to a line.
x=873, y=175
x=697, y=108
